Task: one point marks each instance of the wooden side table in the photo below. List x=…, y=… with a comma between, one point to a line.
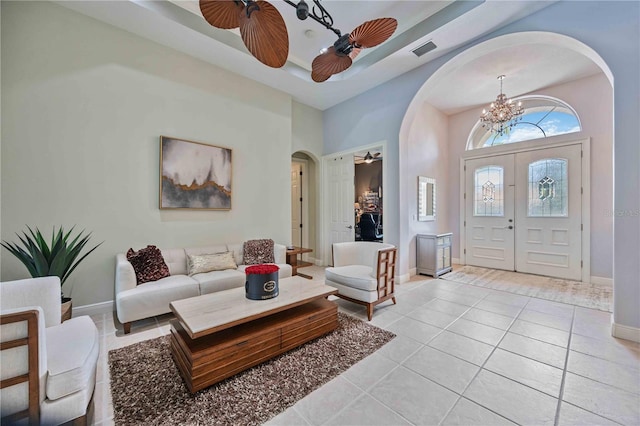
x=292, y=259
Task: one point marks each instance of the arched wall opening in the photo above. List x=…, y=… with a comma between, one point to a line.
x=429, y=148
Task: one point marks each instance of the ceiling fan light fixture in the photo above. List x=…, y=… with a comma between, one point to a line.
x=302, y=10
x=368, y=158
x=342, y=45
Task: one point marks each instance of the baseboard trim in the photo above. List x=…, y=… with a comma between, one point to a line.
x=93, y=309
x=625, y=332
x=413, y=272
x=455, y=261
x=403, y=278
x=602, y=281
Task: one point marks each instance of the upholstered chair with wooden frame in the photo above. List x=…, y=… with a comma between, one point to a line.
x=48, y=370
x=363, y=272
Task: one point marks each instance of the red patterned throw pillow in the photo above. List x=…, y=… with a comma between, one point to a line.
x=148, y=264
x=258, y=251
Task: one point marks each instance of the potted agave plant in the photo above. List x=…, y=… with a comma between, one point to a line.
x=60, y=258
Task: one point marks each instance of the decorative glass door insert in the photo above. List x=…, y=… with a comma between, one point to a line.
x=489, y=191
x=548, y=188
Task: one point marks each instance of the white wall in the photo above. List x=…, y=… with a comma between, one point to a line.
x=591, y=97
x=307, y=139
x=83, y=107
x=426, y=154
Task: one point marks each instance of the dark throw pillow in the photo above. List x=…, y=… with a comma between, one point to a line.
x=258, y=251
x=148, y=264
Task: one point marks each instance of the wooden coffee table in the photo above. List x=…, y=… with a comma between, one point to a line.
x=217, y=335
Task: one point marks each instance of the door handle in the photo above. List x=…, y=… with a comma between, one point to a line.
x=510, y=227
x=349, y=227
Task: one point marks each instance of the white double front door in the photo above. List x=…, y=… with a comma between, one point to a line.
x=523, y=212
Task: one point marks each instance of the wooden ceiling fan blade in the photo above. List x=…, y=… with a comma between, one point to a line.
x=354, y=52
x=372, y=33
x=319, y=78
x=221, y=13
x=265, y=33
x=329, y=63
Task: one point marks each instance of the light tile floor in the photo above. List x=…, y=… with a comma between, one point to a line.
x=463, y=355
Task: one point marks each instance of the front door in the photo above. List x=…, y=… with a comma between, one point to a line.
x=549, y=212
x=489, y=201
x=524, y=212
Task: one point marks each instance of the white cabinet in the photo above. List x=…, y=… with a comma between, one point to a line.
x=433, y=254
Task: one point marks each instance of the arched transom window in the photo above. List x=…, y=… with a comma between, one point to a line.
x=543, y=117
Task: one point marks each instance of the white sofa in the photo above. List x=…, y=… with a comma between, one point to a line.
x=62, y=374
x=363, y=272
x=135, y=302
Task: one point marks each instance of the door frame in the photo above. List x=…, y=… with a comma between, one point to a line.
x=304, y=187
x=324, y=213
x=551, y=142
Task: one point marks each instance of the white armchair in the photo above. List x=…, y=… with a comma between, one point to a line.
x=363, y=272
x=48, y=367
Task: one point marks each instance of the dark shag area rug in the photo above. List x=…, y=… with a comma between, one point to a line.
x=147, y=389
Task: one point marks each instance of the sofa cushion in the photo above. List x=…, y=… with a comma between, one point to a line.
x=148, y=264
x=356, y=276
x=258, y=251
x=153, y=298
x=206, y=250
x=176, y=260
x=200, y=263
x=354, y=293
x=72, y=355
x=211, y=282
x=238, y=251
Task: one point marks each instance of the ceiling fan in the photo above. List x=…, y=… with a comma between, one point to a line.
x=264, y=32
x=368, y=158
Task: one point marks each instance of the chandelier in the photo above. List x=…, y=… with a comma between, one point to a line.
x=503, y=114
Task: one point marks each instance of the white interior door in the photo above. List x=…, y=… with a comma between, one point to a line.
x=549, y=212
x=296, y=204
x=340, y=196
x=489, y=204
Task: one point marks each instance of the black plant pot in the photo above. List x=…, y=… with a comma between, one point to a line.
x=261, y=286
x=66, y=309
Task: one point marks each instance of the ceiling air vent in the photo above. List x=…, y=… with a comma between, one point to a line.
x=425, y=48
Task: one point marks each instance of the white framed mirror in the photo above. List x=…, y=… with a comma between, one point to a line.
x=426, y=199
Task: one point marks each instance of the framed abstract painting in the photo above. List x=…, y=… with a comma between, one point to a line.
x=194, y=175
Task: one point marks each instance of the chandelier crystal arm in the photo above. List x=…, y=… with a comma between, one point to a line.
x=503, y=114
x=322, y=17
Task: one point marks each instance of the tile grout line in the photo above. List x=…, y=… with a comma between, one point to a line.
x=564, y=370
x=460, y=395
x=399, y=364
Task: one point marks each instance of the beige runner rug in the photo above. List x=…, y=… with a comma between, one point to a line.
x=556, y=289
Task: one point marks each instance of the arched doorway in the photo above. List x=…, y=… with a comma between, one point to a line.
x=506, y=54
x=304, y=201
